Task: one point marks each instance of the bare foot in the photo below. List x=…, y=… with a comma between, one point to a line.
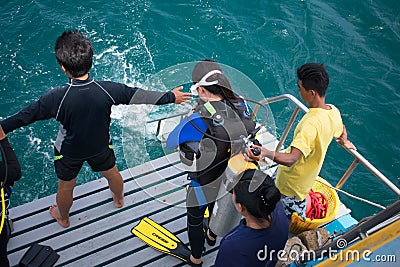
x=209, y=235
x=195, y=260
x=55, y=213
x=119, y=202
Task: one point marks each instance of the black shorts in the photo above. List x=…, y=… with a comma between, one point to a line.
x=67, y=168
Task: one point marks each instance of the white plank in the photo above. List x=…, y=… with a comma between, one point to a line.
x=89, y=187
x=81, y=236
x=77, y=209
x=84, y=217
x=126, y=220
x=99, y=232
x=145, y=253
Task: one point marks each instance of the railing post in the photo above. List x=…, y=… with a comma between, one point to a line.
x=347, y=174
x=158, y=127
x=287, y=128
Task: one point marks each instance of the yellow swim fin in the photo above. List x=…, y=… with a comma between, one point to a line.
x=161, y=239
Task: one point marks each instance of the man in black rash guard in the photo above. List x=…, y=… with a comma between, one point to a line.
x=83, y=108
x=10, y=171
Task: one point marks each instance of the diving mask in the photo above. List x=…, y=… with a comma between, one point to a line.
x=203, y=82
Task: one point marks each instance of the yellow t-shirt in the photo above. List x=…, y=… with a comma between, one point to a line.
x=312, y=137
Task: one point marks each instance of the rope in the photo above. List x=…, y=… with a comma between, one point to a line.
x=353, y=196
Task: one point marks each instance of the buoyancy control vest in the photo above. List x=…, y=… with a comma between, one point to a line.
x=225, y=122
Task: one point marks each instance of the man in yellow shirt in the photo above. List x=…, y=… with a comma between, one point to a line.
x=301, y=163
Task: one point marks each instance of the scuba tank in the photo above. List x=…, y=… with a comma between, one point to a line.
x=225, y=216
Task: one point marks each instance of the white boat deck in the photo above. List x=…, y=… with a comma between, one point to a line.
x=100, y=234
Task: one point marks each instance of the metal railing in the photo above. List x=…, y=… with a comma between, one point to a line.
x=159, y=120
x=358, y=158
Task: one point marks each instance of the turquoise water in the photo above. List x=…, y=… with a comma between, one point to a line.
x=358, y=41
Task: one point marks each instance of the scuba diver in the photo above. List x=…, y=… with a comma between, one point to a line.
x=218, y=117
x=10, y=171
x=264, y=230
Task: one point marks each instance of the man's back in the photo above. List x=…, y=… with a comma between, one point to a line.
x=84, y=114
x=312, y=137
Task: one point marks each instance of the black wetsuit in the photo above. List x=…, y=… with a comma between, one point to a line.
x=212, y=163
x=13, y=174
x=83, y=108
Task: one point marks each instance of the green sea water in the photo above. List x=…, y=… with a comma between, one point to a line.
x=358, y=41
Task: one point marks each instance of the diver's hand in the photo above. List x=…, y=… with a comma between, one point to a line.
x=181, y=97
x=249, y=155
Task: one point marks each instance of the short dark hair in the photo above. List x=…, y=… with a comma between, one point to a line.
x=314, y=77
x=262, y=201
x=74, y=52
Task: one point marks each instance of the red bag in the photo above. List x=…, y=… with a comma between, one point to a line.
x=316, y=205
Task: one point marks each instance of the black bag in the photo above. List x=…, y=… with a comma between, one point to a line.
x=39, y=256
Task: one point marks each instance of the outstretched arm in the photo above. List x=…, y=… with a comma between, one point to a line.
x=134, y=95
x=287, y=159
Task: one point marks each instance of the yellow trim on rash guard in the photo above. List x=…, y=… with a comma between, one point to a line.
x=3, y=209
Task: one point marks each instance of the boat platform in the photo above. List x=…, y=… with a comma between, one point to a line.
x=100, y=234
